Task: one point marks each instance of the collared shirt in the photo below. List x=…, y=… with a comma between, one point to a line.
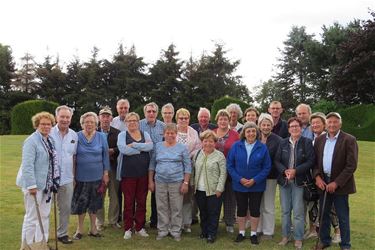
x=66, y=148
x=329, y=147
x=118, y=123
x=307, y=132
x=249, y=147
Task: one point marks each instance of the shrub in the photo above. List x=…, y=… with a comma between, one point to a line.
x=223, y=102
x=22, y=112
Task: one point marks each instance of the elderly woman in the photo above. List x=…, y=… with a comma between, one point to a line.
x=167, y=112
x=171, y=166
x=266, y=224
x=188, y=136
x=294, y=159
x=209, y=180
x=248, y=164
x=226, y=138
x=91, y=173
x=133, y=161
x=38, y=176
x=235, y=113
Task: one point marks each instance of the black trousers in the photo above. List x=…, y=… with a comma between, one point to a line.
x=209, y=212
x=154, y=213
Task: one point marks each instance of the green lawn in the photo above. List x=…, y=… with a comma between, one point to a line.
x=362, y=212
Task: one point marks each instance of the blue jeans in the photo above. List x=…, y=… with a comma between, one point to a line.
x=291, y=198
x=341, y=203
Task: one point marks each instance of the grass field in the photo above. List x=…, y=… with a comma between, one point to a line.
x=362, y=205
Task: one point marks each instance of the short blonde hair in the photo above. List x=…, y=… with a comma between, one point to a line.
x=132, y=114
x=246, y=126
x=208, y=134
x=182, y=111
x=222, y=112
x=170, y=126
x=39, y=116
x=87, y=114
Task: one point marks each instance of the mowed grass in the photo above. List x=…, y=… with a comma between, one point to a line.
x=362, y=205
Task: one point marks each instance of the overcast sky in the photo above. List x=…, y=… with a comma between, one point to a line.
x=252, y=31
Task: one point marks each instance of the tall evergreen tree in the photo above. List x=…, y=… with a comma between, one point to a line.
x=26, y=78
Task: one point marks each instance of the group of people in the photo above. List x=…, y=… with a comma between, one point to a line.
x=190, y=170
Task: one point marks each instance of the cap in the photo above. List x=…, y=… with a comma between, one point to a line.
x=105, y=110
x=318, y=115
x=335, y=114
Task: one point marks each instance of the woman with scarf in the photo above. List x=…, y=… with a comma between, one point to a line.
x=38, y=177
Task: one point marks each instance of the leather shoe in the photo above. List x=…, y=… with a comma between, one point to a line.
x=320, y=246
x=210, y=239
x=65, y=240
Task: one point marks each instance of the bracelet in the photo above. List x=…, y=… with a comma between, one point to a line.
x=185, y=182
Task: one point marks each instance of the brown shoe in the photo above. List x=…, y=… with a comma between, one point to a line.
x=284, y=241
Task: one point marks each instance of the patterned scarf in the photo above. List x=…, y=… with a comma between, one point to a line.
x=53, y=176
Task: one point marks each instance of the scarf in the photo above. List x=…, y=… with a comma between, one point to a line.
x=53, y=176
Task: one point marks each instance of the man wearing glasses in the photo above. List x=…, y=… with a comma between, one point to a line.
x=281, y=128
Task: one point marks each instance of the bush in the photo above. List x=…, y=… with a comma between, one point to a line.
x=22, y=112
x=223, y=102
x=325, y=106
x=359, y=120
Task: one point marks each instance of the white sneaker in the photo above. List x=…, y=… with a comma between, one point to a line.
x=128, y=234
x=336, y=239
x=142, y=233
x=230, y=229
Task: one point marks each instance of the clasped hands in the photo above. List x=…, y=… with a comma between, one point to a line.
x=247, y=182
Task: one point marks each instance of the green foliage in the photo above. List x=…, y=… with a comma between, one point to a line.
x=325, y=106
x=359, y=120
x=139, y=111
x=21, y=115
x=223, y=102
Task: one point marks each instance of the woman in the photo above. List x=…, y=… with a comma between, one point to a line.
x=188, y=136
x=251, y=115
x=91, y=173
x=235, y=112
x=248, y=164
x=226, y=138
x=171, y=166
x=209, y=180
x=38, y=176
x=167, y=112
x=266, y=225
x=132, y=171
x=294, y=159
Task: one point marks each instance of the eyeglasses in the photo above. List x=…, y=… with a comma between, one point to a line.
x=151, y=111
x=129, y=121
x=45, y=124
x=183, y=118
x=295, y=126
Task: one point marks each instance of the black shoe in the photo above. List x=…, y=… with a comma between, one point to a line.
x=65, y=240
x=153, y=225
x=203, y=236
x=210, y=239
x=254, y=240
x=240, y=238
x=194, y=221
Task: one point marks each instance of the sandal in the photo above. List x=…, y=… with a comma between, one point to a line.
x=97, y=235
x=77, y=236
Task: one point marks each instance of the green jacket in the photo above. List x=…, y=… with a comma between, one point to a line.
x=214, y=171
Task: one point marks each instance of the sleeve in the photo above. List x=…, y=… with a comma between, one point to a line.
x=147, y=146
x=123, y=148
x=351, y=150
x=197, y=142
x=303, y=168
x=266, y=167
x=152, y=164
x=28, y=160
x=223, y=173
x=105, y=154
x=186, y=160
x=277, y=161
x=231, y=164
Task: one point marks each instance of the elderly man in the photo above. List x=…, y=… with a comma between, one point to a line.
x=280, y=126
x=155, y=129
x=105, y=118
x=336, y=160
x=122, y=107
x=66, y=147
x=303, y=112
x=203, y=121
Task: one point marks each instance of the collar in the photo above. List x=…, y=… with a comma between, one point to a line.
x=335, y=137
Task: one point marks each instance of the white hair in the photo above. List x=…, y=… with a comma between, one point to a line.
x=235, y=107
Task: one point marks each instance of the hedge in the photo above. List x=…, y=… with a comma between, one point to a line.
x=223, y=102
x=22, y=112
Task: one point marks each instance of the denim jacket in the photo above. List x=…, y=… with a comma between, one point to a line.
x=35, y=163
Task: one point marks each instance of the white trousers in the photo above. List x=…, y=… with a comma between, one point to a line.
x=30, y=228
x=267, y=209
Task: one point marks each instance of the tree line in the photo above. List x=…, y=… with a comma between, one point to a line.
x=337, y=70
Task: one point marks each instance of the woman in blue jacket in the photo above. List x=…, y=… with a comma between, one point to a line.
x=248, y=164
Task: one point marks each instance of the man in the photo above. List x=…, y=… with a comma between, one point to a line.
x=122, y=107
x=155, y=129
x=337, y=157
x=203, y=121
x=105, y=118
x=66, y=146
x=303, y=112
x=280, y=128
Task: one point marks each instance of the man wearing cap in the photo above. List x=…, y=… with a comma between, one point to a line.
x=336, y=160
x=303, y=112
x=66, y=147
x=122, y=107
x=280, y=126
x=105, y=118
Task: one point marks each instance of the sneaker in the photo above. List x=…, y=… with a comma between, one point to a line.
x=336, y=239
x=254, y=240
x=230, y=229
x=128, y=234
x=187, y=229
x=142, y=233
x=239, y=238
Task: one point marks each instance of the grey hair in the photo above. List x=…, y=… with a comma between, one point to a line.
x=246, y=126
x=123, y=101
x=153, y=104
x=305, y=106
x=63, y=107
x=87, y=114
x=265, y=116
x=235, y=107
x=170, y=126
x=203, y=109
x=168, y=105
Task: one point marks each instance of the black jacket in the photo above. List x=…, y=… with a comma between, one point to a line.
x=272, y=143
x=281, y=129
x=112, y=143
x=304, y=159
